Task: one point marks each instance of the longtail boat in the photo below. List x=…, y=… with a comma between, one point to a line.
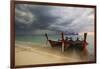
x=65, y=43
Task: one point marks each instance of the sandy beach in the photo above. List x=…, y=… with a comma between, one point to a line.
x=32, y=54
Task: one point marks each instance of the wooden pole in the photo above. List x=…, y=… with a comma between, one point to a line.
x=62, y=34
x=46, y=36
x=85, y=37
x=47, y=39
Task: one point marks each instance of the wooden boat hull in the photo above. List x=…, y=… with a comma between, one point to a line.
x=55, y=43
x=68, y=44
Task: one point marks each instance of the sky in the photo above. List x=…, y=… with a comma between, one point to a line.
x=40, y=19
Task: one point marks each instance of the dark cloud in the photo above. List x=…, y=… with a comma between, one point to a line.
x=32, y=18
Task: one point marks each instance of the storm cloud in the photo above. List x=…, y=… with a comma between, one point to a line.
x=38, y=19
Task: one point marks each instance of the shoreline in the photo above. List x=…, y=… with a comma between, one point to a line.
x=31, y=54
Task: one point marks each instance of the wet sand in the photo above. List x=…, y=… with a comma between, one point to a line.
x=32, y=54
